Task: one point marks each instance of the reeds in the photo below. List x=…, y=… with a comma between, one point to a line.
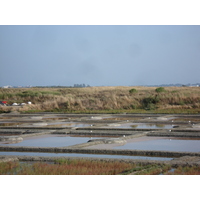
x=187, y=170
x=72, y=167
x=92, y=167
x=7, y=168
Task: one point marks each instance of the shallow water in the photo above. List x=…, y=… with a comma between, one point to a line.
x=50, y=141
x=58, y=124
x=153, y=126
x=141, y=126
x=68, y=124
x=162, y=144
x=82, y=155
x=122, y=118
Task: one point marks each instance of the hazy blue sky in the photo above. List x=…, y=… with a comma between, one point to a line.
x=99, y=55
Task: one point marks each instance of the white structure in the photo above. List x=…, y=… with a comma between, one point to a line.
x=7, y=86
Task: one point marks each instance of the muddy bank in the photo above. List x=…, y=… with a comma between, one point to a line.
x=8, y=159
x=22, y=133
x=33, y=128
x=52, y=159
x=185, y=161
x=129, y=130
x=99, y=141
x=10, y=138
x=182, y=161
x=15, y=131
x=99, y=151
x=194, y=134
x=103, y=132
x=122, y=140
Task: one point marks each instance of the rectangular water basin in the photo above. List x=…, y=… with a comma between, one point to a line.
x=162, y=144
x=49, y=140
x=141, y=126
x=58, y=124
x=68, y=124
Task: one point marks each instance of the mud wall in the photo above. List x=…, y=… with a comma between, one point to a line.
x=182, y=161
x=99, y=151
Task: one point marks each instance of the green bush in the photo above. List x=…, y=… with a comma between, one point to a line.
x=36, y=93
x=149, y=103
x=131, y=91
x=160, y=89
x=133, y=106
x=28, y=94
x=181, y=102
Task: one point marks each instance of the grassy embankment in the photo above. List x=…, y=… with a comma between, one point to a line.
x=86, y=167
x=103, y=100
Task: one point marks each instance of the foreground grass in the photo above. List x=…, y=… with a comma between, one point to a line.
x=85, y=167
x=103, y=100
x=195, y=170
x=72, y=167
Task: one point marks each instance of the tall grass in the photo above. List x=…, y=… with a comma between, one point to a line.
x=93, y=167
x=194, y=170
x=73, y=167
x=105, y=99
x=7, y=168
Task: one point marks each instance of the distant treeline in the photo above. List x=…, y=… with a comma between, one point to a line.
x=175, y=85
x=74, y=86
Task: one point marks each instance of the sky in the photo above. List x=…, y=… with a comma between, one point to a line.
x=98, y=55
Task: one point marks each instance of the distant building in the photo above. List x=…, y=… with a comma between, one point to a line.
x=7, y=86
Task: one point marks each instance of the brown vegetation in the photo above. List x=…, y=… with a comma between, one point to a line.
x=73, y=167
x=103, y=99
x=89, y=167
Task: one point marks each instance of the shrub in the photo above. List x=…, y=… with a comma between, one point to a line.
x=149, y=103
x=181, y=102
x=131, y=91
x=133, y=106
x=160, y=89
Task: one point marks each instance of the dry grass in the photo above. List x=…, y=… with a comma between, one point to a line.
x=102, y=99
